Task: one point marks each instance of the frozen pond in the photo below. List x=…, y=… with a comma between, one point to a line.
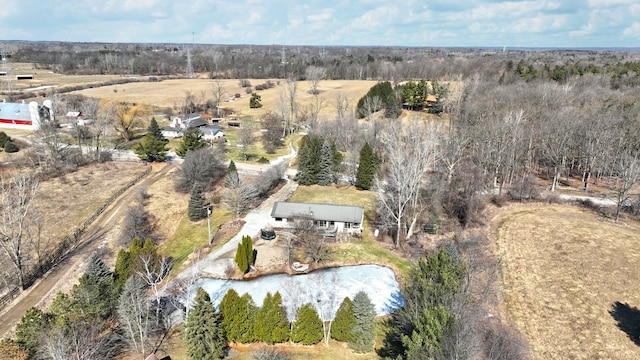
x=325, y=288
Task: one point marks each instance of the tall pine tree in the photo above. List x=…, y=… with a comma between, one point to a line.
x=367, y=168
x=364, y=331
x=307, y=328
x=325, y=173
x=152, y=147
x=309, y=161
x=197, y=209
x=204, y=333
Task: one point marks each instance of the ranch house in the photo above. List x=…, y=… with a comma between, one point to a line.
x=332, y=217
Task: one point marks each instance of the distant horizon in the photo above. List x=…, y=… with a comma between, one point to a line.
x=590, y=24
x=479, y=47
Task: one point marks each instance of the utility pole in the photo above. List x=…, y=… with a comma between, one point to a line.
x=209, y=224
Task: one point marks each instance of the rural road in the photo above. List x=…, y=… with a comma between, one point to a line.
x=62, y=273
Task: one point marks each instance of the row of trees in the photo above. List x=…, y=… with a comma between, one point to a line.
x=245, y=322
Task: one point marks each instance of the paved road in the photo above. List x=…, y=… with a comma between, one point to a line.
x=62, y=273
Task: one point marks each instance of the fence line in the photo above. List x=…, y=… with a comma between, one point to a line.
x=68, y=244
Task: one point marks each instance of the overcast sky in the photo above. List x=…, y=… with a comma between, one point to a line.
x=558, y=23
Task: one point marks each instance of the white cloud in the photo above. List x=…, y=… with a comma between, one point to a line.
x=632, y=31
x=584, y=30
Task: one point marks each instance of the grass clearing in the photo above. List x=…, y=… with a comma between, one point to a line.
x=190, y=236
x=359, y=250
x=568, y=277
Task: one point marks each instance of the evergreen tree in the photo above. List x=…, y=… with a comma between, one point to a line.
x=255, y=101
x=151, y=149
x=204, y=334
x=32, y=324
x=155, y=130
x=307, y=328
x=95, y=295
x=389, y=101
x=271, y=324
x=191, y=140
x=309, y=161
x=325, y=174
x=420, y=325
x=197, y=208
x=245, y=255
x=96, y=267
x=128, y=261
x=232, y=179
x=238, y=315
x=344, y=322
x=364, y=331
x=367, y=168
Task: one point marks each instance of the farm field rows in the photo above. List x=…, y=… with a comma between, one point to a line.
x=570, y=282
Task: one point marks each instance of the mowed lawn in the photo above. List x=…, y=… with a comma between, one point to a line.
x=571, y=282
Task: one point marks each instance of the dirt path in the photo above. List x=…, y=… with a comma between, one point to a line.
x=70, y=269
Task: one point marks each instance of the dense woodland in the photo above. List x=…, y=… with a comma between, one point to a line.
x=505, y=125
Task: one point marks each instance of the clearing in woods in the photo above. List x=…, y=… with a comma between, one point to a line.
x=570, y=282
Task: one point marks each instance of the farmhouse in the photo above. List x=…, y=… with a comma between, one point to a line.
x=212, y=132
x=181, y=123
x=343, y=218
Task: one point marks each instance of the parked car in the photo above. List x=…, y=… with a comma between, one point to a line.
x=268, y=233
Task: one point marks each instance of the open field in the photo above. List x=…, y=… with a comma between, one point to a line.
x=44, y=79
x=67, y=201
x=171, y=93
x=570, y=282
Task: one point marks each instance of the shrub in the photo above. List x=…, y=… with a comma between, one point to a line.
x=10, y=147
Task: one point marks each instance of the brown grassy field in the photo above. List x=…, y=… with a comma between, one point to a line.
x=171, y=93
x=67, y=201
x=571, y=281
x=47, y=78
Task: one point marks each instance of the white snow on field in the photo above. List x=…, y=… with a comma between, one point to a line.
x=325, y=289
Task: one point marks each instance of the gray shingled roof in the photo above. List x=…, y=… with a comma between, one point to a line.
x=327, y=212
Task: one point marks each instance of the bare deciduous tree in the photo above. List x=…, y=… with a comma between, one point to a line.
x=136, y=317
x=218, y=92
x=79, y=340
x=409, y=151
x=342, y=104
x=16, y=220
x=240, y=198
x=314, y=75
x=247, y=138
x=153, y=271
x=287, y=105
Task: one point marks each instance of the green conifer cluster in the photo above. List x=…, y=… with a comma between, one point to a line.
x=245, y=255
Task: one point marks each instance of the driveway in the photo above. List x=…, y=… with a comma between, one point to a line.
x=216, y=262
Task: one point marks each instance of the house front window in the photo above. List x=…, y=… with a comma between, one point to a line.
x=321, y=223
x=278, y=219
